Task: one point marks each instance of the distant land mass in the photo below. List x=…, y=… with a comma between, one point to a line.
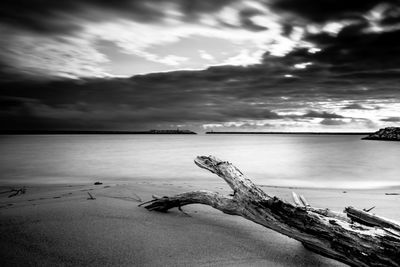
x=316, y=133
x=97, y=132
x=385, y=134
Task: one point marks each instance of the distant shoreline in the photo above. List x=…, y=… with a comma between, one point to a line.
x=11, y=132
x=314, y=133
x=167, y=132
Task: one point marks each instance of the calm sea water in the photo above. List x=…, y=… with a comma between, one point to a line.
x=283, y=160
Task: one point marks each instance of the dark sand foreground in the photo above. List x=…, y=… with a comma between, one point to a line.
x=56, y=225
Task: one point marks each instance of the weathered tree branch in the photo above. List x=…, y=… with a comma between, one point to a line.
x=215, y=200
x=366, y=218
x=358, y=239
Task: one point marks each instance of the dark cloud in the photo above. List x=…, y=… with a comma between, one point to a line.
x=391, y=16
x=350, y=63
x=355, y=54
x=196, y=7
x=332, y=122
x=139, y=102
x=355, y=106
x=48, y=17
x=353, y=50
x=362, y=50
x=247, y=22
x=323, y=114
x=216, y=95
x=320, y=11
x=351, y=57
x=391, y=119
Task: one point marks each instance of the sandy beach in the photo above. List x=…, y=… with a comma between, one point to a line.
x=56, y=225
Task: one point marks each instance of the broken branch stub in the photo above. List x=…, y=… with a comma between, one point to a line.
x=336, y=235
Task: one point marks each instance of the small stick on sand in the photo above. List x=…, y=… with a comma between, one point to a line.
x=90, y=197
x=181, y=210
x=21, y=191
x=137, y=198
x=368, y=210
x=155, y=198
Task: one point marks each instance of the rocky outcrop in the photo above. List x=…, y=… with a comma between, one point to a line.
x=388, y=134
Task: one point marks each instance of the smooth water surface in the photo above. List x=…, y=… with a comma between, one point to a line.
x=282, y=160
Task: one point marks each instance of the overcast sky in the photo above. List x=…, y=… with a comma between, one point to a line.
x=252, y=65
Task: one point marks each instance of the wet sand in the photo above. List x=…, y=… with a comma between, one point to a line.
x=56, y=225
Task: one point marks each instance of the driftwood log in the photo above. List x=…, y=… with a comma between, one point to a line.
x=356, y=237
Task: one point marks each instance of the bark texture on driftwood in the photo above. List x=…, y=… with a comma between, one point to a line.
x=356, y=237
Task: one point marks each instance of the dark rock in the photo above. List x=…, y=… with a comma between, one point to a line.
x=387, y=134
x=98, y=183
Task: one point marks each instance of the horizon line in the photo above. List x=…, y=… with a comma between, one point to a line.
x=168, y=131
